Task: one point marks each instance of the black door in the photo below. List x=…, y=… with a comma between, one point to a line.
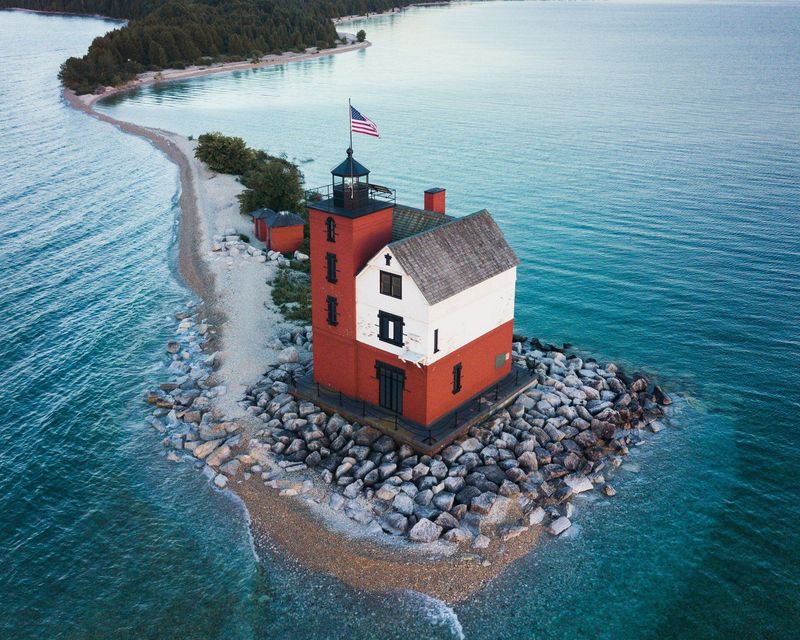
x=391, y=382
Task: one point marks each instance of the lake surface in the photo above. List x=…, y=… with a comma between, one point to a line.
x=644, y=162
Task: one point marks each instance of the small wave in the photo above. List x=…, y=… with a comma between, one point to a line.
x=438, y=613
x=236, y=499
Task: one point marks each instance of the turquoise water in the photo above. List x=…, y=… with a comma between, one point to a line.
x=644, y=161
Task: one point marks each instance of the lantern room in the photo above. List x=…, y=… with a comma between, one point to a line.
x=350, y=184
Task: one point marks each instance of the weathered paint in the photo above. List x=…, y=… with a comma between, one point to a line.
x=428, y=391
x=460, y=319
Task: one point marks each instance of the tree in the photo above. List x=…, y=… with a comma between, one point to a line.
x=157, y=55
x=274, y=183
x=224, y=154
x=361, y=35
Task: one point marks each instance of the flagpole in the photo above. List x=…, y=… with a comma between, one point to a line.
x=350, y=121
x=350, y=126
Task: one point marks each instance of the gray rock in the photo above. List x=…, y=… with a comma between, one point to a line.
x=384, y=444
x=231, y=468
x=353, y=489
x=536, y=516
x=425, y=531
x=218, y=456
x=453, y=484
x=438, y=469
x=202, y=451
x=458, y=536
x=471, y=445
x=483, y=503
x=528, y=461
x=444, y=500
x=394, y=523
x=452, y=453
x=288, y=355
x=511, y=532
x=559, y=526
x=578, y=483
x=336, y=501
x=447, y=521
x=403, y=504
x=481, y=542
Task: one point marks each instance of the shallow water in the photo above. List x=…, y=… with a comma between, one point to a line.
x=644, y=161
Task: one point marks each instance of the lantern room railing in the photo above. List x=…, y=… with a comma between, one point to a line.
x=371, y=192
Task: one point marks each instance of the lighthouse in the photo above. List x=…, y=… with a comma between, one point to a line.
x=412, y=309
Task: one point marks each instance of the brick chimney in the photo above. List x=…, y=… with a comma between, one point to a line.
x=434, y=199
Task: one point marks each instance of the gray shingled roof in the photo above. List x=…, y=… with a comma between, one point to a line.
x=274, y=219
x=408, y=221
x=455, y=256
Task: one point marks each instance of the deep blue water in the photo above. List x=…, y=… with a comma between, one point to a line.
x=644, y=161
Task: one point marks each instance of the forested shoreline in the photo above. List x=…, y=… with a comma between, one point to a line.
x=177, y=33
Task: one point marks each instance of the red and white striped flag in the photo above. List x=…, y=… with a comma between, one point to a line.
x=362, y=124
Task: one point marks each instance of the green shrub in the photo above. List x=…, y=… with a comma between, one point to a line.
x=224, y=154
x=291, y=293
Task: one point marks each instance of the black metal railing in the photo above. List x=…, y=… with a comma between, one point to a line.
x=374, y=192
x=480, y=405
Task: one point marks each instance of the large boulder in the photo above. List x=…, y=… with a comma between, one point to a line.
x=219, y=455
x=578, y=483
x=289, y=355
x=483, y=503
x=559, y=526
x=403, y=504
x=425, y=531
x=394, y=523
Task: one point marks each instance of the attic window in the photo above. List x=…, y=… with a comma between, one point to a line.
x=330, y=229
x=391, y=284
x=390, y=328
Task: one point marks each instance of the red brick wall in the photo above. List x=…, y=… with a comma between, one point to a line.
x=357, y=240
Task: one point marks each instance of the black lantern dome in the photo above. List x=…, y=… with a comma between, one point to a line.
x=349, y=191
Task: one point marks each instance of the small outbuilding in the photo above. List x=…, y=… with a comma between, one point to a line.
x=281, y=231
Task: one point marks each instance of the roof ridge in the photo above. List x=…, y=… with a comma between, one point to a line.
x=451, y=220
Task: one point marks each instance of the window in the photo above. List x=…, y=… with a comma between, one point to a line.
x=436, y=341
x=457, y=378
x=390, y=328
x=332, y=311
x=330, y=229
x=391, y=284
x=330, y=262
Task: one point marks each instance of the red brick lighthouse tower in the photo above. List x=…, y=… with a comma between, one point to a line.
x=348, y=225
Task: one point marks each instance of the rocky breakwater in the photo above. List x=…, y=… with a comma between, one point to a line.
x=519, y=469
x=183, y=406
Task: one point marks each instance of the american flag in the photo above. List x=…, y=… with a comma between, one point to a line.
x=362, y=124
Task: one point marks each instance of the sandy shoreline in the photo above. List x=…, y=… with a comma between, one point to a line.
x=236, y=300
x=174, y=75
